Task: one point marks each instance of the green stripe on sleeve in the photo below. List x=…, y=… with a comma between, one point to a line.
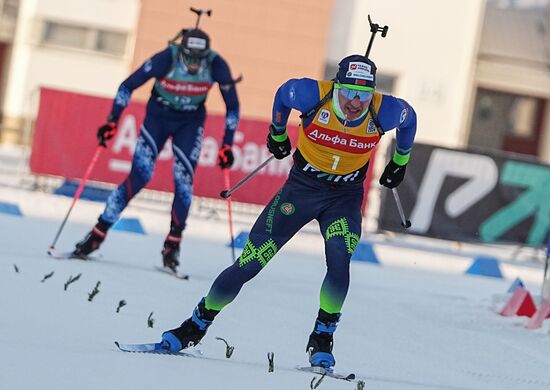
x=400, y=159
x=280, y=137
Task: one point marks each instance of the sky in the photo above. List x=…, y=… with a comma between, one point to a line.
x=404, y=326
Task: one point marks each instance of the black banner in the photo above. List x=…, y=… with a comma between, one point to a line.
x=471, y=195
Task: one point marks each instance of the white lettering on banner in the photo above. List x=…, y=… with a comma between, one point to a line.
x=126, y=138
x=166, y=152
x=238, y=158
x=209, y=152
x=239, y=137
x=250, y=157
x=481, y=172
x=120, y=165
x=247, y=158
x=254, y=154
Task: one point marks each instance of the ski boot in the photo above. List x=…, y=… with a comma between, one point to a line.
x=92, y=241
x=171, y=252
x=191, y=331
x=319, y=346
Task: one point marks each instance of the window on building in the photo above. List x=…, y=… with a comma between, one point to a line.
x=65, y=35
x=506, y=121
x=523, y=117
x=111, y=42
x=84, y=38
x=9, y=7
x=385, y=83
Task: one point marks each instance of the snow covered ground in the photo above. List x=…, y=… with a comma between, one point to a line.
x=403, y=326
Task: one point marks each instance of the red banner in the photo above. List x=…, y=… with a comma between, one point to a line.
x=65, y=141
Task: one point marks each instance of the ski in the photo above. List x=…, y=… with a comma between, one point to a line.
x=154, y=348
x=327, y=372
x=175, y=274
x=68, y=256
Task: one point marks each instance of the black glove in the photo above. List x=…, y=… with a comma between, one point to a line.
x=106, y=132
x=393, y=175
x=280, y=149
x=225, y=157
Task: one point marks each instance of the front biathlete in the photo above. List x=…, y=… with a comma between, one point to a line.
x=184, y=75
x=342, y=121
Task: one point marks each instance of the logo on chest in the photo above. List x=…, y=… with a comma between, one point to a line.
x=371, y=127
x=184, y=87
x=324, y=116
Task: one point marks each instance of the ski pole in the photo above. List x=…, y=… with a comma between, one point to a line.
x=544, y=281
x=404, y=221
x=230, y=214
x=76, y=196
x=227, y=193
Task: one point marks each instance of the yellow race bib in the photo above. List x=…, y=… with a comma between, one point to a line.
x=329, y=146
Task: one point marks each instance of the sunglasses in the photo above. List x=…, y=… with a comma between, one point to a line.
x=352, y=93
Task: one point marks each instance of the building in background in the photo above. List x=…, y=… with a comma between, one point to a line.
x=76, y=45
x=476, y=71
x=512, y=103
x=267, y=42
x=8, y=23
x=428, y=57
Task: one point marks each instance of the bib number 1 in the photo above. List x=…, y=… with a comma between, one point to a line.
x=336, y=161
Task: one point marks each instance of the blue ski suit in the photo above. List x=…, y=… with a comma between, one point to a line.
x=325, y=183
x=175, y=109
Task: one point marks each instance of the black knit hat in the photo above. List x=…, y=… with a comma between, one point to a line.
x=195, y=43
x=357, y=70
